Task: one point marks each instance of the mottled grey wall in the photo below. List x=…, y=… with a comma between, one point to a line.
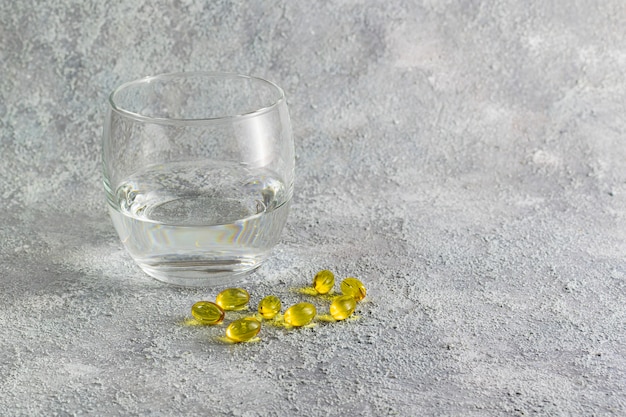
x=464, y=158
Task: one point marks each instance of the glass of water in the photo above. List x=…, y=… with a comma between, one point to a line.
x=198, y=173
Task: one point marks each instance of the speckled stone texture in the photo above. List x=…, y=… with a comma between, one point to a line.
x=465, y=159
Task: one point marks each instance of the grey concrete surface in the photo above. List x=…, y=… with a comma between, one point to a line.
x=465, y=159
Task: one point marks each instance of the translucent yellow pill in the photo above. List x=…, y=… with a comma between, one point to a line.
x=342, y=307
x=354, y=287
x=243, y=329
x=300, y=314
x=232, y=299
x=269, y=306
x=207, y=312
x=324, y=281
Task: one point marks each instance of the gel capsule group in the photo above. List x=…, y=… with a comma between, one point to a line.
x=232, y=299
x=342, y=307
x=354, y=287
x=324, y=281
x=206, y=312
x=300, y=314
x=243, y=329
x=269, y=307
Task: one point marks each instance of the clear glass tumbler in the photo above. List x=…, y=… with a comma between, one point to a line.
x=198, y=173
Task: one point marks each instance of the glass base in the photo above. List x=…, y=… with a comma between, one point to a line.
x=201, y=274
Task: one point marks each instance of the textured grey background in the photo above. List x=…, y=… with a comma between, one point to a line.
x=465, y=159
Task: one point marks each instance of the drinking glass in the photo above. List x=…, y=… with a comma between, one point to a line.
x=198, y=173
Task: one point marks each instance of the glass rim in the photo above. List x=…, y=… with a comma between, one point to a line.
x=213, y=74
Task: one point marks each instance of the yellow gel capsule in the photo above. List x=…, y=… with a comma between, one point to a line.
x=269, y=307
x=324, y=281
x=342, y=307
x=207, y=312
x=243, y=329
x=354, y=287
x=300, y=314
x=232, y=299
